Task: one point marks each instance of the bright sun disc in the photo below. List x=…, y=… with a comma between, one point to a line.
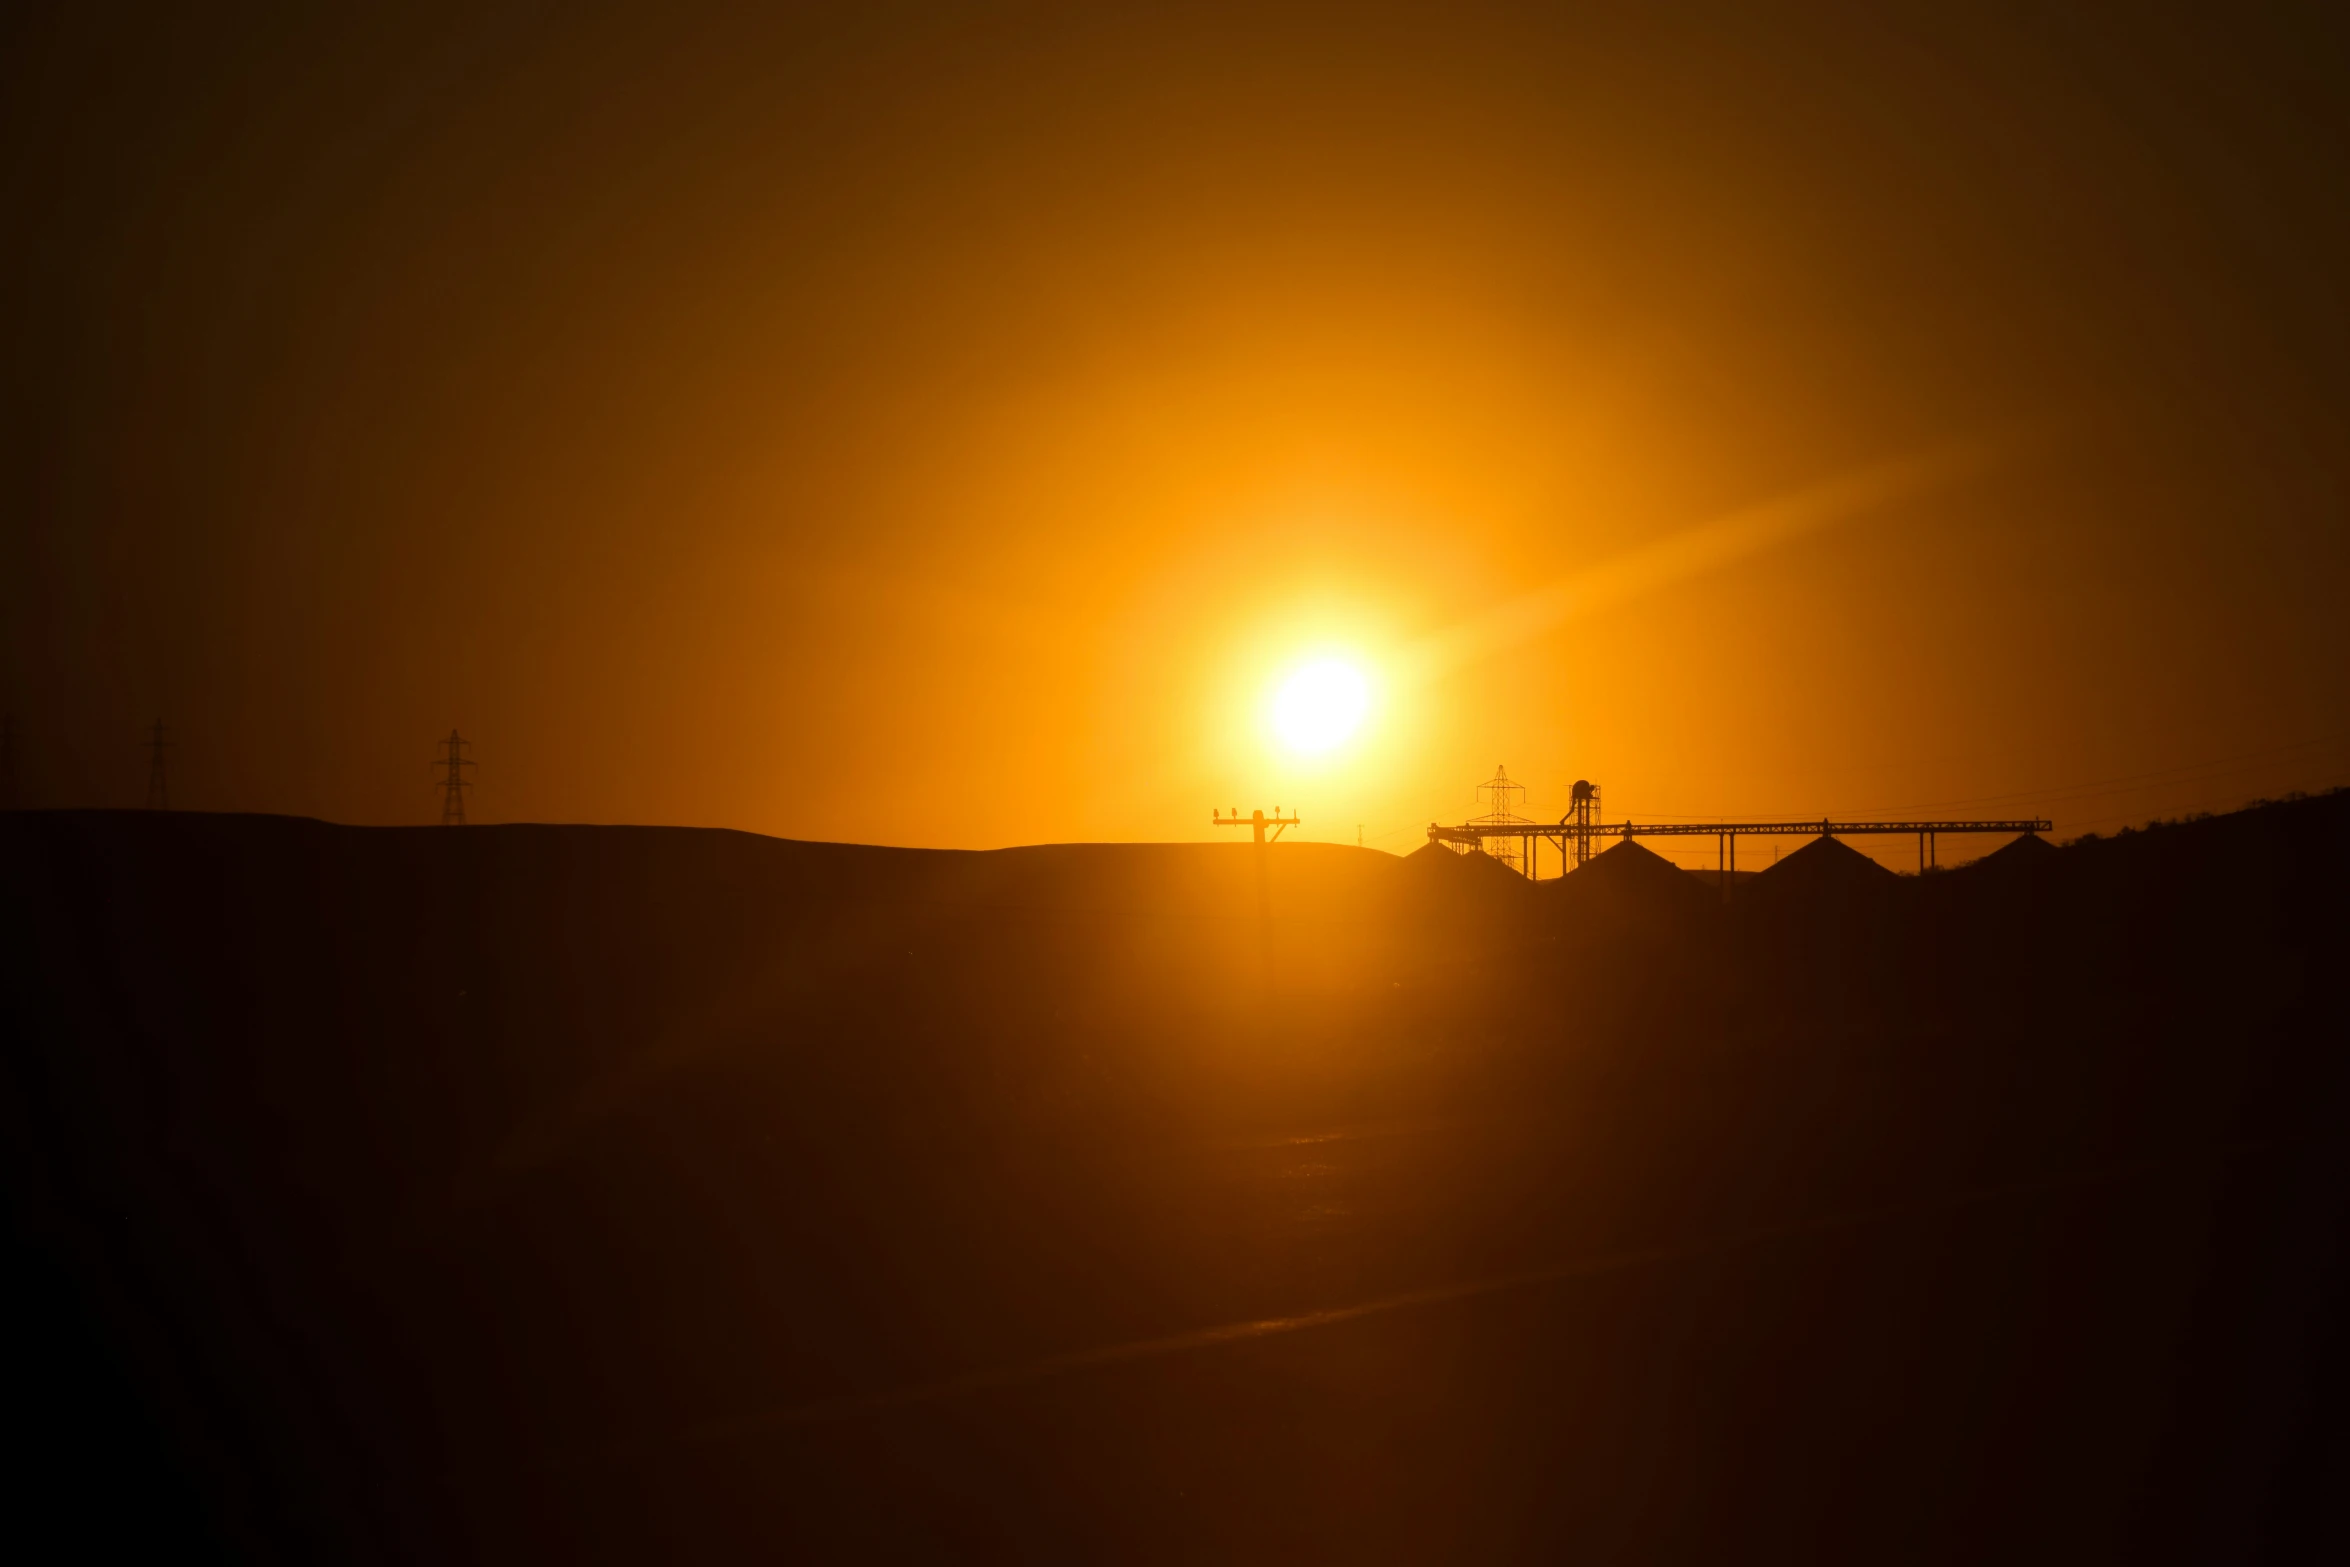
x=1320, y=705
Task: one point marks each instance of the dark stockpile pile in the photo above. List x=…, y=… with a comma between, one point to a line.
x=626, y=1194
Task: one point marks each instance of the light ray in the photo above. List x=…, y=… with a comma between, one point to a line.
x=1692, y=552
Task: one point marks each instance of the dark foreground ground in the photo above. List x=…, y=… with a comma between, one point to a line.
x=571, y=1194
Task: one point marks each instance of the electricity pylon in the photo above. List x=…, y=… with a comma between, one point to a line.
x=453, y=762
x=1505, y=792
x=158, y=773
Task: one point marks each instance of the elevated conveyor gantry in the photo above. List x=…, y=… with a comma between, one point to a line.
x=1575, y=833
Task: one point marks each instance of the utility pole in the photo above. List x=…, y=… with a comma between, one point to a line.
x=158, y=773
x=1257, y=822
x=453, y=762
x=7, y=761
x=1256, y=819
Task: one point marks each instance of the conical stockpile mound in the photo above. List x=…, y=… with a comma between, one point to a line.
x=1632, y=880
x=2029, y=850
x=1825, y=871
x=1478, y=869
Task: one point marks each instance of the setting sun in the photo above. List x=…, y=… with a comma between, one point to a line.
x=1320, y=706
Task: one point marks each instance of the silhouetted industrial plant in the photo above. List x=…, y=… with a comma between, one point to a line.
x=1513, y=839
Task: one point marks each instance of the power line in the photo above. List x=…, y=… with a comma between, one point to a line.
x=2209, y=769
x=2124, y=818
x=2157, y=775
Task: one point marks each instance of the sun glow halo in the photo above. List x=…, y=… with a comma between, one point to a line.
x=1320, y=706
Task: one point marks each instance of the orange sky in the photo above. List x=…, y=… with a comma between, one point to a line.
x=944, y=429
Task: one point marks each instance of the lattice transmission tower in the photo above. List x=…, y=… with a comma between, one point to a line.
x=159, y=747
x=1502, y=794
x=452, y=761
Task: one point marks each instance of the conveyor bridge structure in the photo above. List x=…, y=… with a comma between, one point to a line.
x=1576, y=833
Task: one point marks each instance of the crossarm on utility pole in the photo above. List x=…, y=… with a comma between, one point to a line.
x=1256, y=820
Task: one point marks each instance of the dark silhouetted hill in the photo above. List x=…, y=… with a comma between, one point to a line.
x=623, y=1194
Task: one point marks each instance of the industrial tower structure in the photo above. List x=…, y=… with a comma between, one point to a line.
x=1582, y=817
x=453, y=762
